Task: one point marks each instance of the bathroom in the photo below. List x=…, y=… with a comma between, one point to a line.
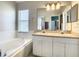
x=24, y=22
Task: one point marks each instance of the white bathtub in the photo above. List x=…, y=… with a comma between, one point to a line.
x=17, y=48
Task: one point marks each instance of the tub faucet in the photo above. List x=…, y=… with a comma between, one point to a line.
x=0, y=53
x=4, y=55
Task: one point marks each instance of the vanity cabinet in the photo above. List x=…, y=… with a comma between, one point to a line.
x=55, y=46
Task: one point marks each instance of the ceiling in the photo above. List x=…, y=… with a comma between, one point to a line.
x=63, y=3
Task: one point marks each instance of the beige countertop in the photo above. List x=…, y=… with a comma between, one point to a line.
x=57, y=34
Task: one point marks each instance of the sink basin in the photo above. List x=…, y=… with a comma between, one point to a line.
x=65, y=32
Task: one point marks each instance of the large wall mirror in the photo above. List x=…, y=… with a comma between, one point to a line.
x=48, y=20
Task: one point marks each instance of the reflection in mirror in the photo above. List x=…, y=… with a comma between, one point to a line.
x=61, y=21
x=72, y=16
x=47, y=20
x=54, y=22
x=40, y=23
x=74, y=13
x=69, y=16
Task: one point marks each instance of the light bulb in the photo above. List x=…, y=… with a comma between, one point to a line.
x=58, y=6
x=53, y=7
x=48, y=7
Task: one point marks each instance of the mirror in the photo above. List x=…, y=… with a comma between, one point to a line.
x=72, y=14
x=47, y=20
x=53, y=20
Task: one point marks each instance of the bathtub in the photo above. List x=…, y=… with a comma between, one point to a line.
x=17, y=48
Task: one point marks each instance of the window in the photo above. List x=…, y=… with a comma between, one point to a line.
x=23, y=20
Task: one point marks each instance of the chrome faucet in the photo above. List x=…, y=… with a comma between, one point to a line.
x=0, y=53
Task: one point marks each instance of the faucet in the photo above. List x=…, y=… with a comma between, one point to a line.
x=0, y=53
x=62, y=32
x=4, y=55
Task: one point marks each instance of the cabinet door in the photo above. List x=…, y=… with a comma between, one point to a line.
x=72, y=48
x=58, y=47
x=46, y=46
x=37, y=46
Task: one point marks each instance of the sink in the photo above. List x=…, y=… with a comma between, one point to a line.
x=68, y=32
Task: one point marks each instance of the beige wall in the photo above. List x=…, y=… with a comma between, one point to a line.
x=7, y=21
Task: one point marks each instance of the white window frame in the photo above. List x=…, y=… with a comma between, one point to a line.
x=23, y=20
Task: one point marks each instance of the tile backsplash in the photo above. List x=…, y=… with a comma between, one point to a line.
x=75, y=27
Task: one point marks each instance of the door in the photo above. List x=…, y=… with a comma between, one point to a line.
x=47, y=46
x=37, y=45
x=58, y=47
x=72, y=48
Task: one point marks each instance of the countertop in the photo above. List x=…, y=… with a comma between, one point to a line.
x=56, y=34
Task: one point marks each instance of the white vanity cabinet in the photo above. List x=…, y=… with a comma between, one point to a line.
x=72, y=48
x=58, y=47
x=48, y=46
x=42, y=46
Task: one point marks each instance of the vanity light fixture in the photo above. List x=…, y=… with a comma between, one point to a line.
x=58, y=6
x=53, y=6
x=48, y=7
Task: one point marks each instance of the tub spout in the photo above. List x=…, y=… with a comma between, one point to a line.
x=0, y=53
x=4, y=54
